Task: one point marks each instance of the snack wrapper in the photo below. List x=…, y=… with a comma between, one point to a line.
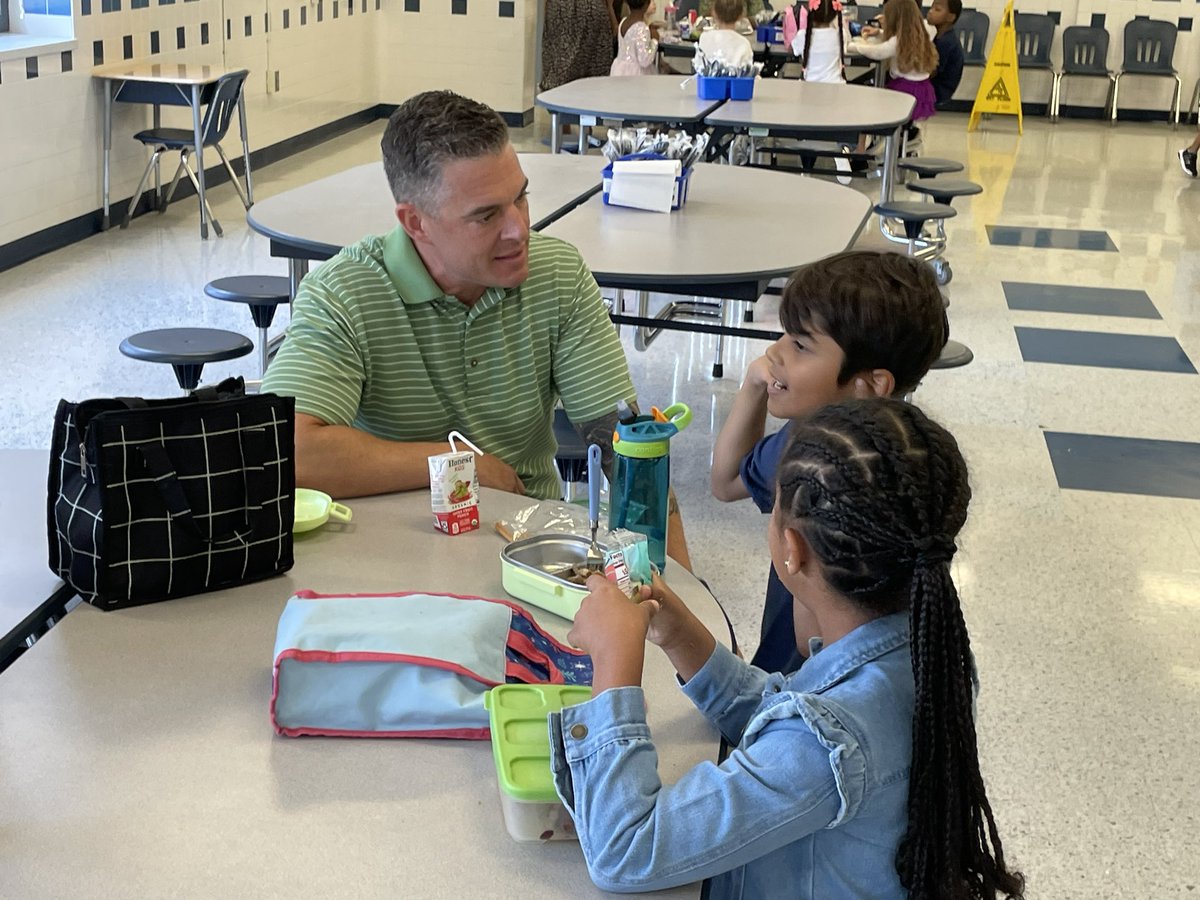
x=454, y=488
x=627, y=561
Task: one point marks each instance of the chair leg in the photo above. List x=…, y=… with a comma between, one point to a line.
x=137, y=193
x=1116, y=87
x=204, y=201
x=237, y=183
x=174, y=185
x=1176, y=97
x=1055, y=81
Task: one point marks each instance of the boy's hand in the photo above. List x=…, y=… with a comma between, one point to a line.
x=758, y=374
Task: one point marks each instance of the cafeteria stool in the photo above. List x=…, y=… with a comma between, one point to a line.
x=571, y=457
x=913, y=215
x=929, y=166
x=262, y=293
x=186, y=350
x=954, y=355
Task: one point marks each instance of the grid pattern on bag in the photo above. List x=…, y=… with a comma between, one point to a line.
x=173, y=501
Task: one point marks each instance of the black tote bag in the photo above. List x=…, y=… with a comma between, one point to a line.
x=154, y=499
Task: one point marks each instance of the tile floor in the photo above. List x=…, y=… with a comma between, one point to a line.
x=1084, y=606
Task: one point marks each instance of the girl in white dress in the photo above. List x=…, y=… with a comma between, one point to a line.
x=637, y=48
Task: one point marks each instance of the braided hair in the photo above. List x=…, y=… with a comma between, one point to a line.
x=879, y=492
x=821, y=16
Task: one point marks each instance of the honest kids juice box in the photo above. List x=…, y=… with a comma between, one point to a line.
x=454, y=491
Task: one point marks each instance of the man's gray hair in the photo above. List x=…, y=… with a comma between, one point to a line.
x=429, y=130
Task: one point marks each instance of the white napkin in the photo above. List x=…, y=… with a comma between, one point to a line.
x=644, y=183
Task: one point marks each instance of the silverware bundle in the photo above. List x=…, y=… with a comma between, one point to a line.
x=687, y=148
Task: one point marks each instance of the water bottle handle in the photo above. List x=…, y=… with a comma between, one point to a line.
x=679, y=415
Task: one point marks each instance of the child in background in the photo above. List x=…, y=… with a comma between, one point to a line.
x=723, y=41
x=907, y=44
x=857, y=776
x=942, y=15
x=637, y=49
x=821, y=41
x=856, y=324
x=1187, y=157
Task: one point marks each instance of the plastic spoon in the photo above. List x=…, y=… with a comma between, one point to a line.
x=594, y=559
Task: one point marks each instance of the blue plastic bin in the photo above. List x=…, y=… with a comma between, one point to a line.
x=769, y=34
x=681, y=180
x=741, y=88
x=712, y=88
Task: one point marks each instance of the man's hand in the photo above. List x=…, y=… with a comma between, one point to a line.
x=494, y=472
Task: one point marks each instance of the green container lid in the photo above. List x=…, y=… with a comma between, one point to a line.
x=520, y=736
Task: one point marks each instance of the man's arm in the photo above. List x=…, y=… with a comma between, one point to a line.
x=345, y=462
x=744, y=427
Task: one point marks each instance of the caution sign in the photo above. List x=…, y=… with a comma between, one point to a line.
x=999, y=91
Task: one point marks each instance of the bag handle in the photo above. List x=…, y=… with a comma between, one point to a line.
x=166, y=479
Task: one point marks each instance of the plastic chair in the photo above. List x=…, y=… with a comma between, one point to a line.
x=972, y=29
x=1035, y=36
x=1085, y=53
x=217, y=118
x=263, y=294
x=1150, y=50
x=186, y=350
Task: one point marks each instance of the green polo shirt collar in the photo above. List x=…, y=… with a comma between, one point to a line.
x=413, y=282
x=409, y=276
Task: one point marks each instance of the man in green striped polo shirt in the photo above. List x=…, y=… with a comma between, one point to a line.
x=460, y=318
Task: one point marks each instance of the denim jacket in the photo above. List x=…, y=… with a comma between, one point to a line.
x=811, y=803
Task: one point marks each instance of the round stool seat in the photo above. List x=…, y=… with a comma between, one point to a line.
x=929, y=166
x=953, y=355
x=914, y=214
x=262, y=293
x=250, y=289
x=186, y=349
x=944, y=190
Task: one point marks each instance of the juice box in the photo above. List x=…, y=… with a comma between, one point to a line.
x=454, y=491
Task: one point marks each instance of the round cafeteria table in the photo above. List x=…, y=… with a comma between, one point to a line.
x=139, y=759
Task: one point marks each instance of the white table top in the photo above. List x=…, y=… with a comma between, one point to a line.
x=719, y=235
x=140, y=761
x=330, y=213
x=27, y=579
x=647, y=98
x=717, y=238
x=801, y=106
x=161, y=72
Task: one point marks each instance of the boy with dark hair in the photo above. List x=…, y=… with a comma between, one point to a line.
x=942, y=15
x=857, y=324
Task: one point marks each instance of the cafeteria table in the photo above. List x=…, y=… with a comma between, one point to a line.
x=32, y=598
x=800, y=109
x=166, y=84
x=715, y=246
x=662, y=99
x=140, y=760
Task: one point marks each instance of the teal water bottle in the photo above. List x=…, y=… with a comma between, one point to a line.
x=642, y=476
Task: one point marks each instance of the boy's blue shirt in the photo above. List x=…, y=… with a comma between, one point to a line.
x=812, y=802
x=949, y=70
x=777, y=638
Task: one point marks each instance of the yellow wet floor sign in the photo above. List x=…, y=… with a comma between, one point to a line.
x=999, y=91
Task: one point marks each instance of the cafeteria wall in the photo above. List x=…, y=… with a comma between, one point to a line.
x=51, y=123
x=332, y=63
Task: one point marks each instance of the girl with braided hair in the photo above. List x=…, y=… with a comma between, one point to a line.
x=855, y=776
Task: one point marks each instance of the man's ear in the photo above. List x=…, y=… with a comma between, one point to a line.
x=412, y=220
x=874, y=383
